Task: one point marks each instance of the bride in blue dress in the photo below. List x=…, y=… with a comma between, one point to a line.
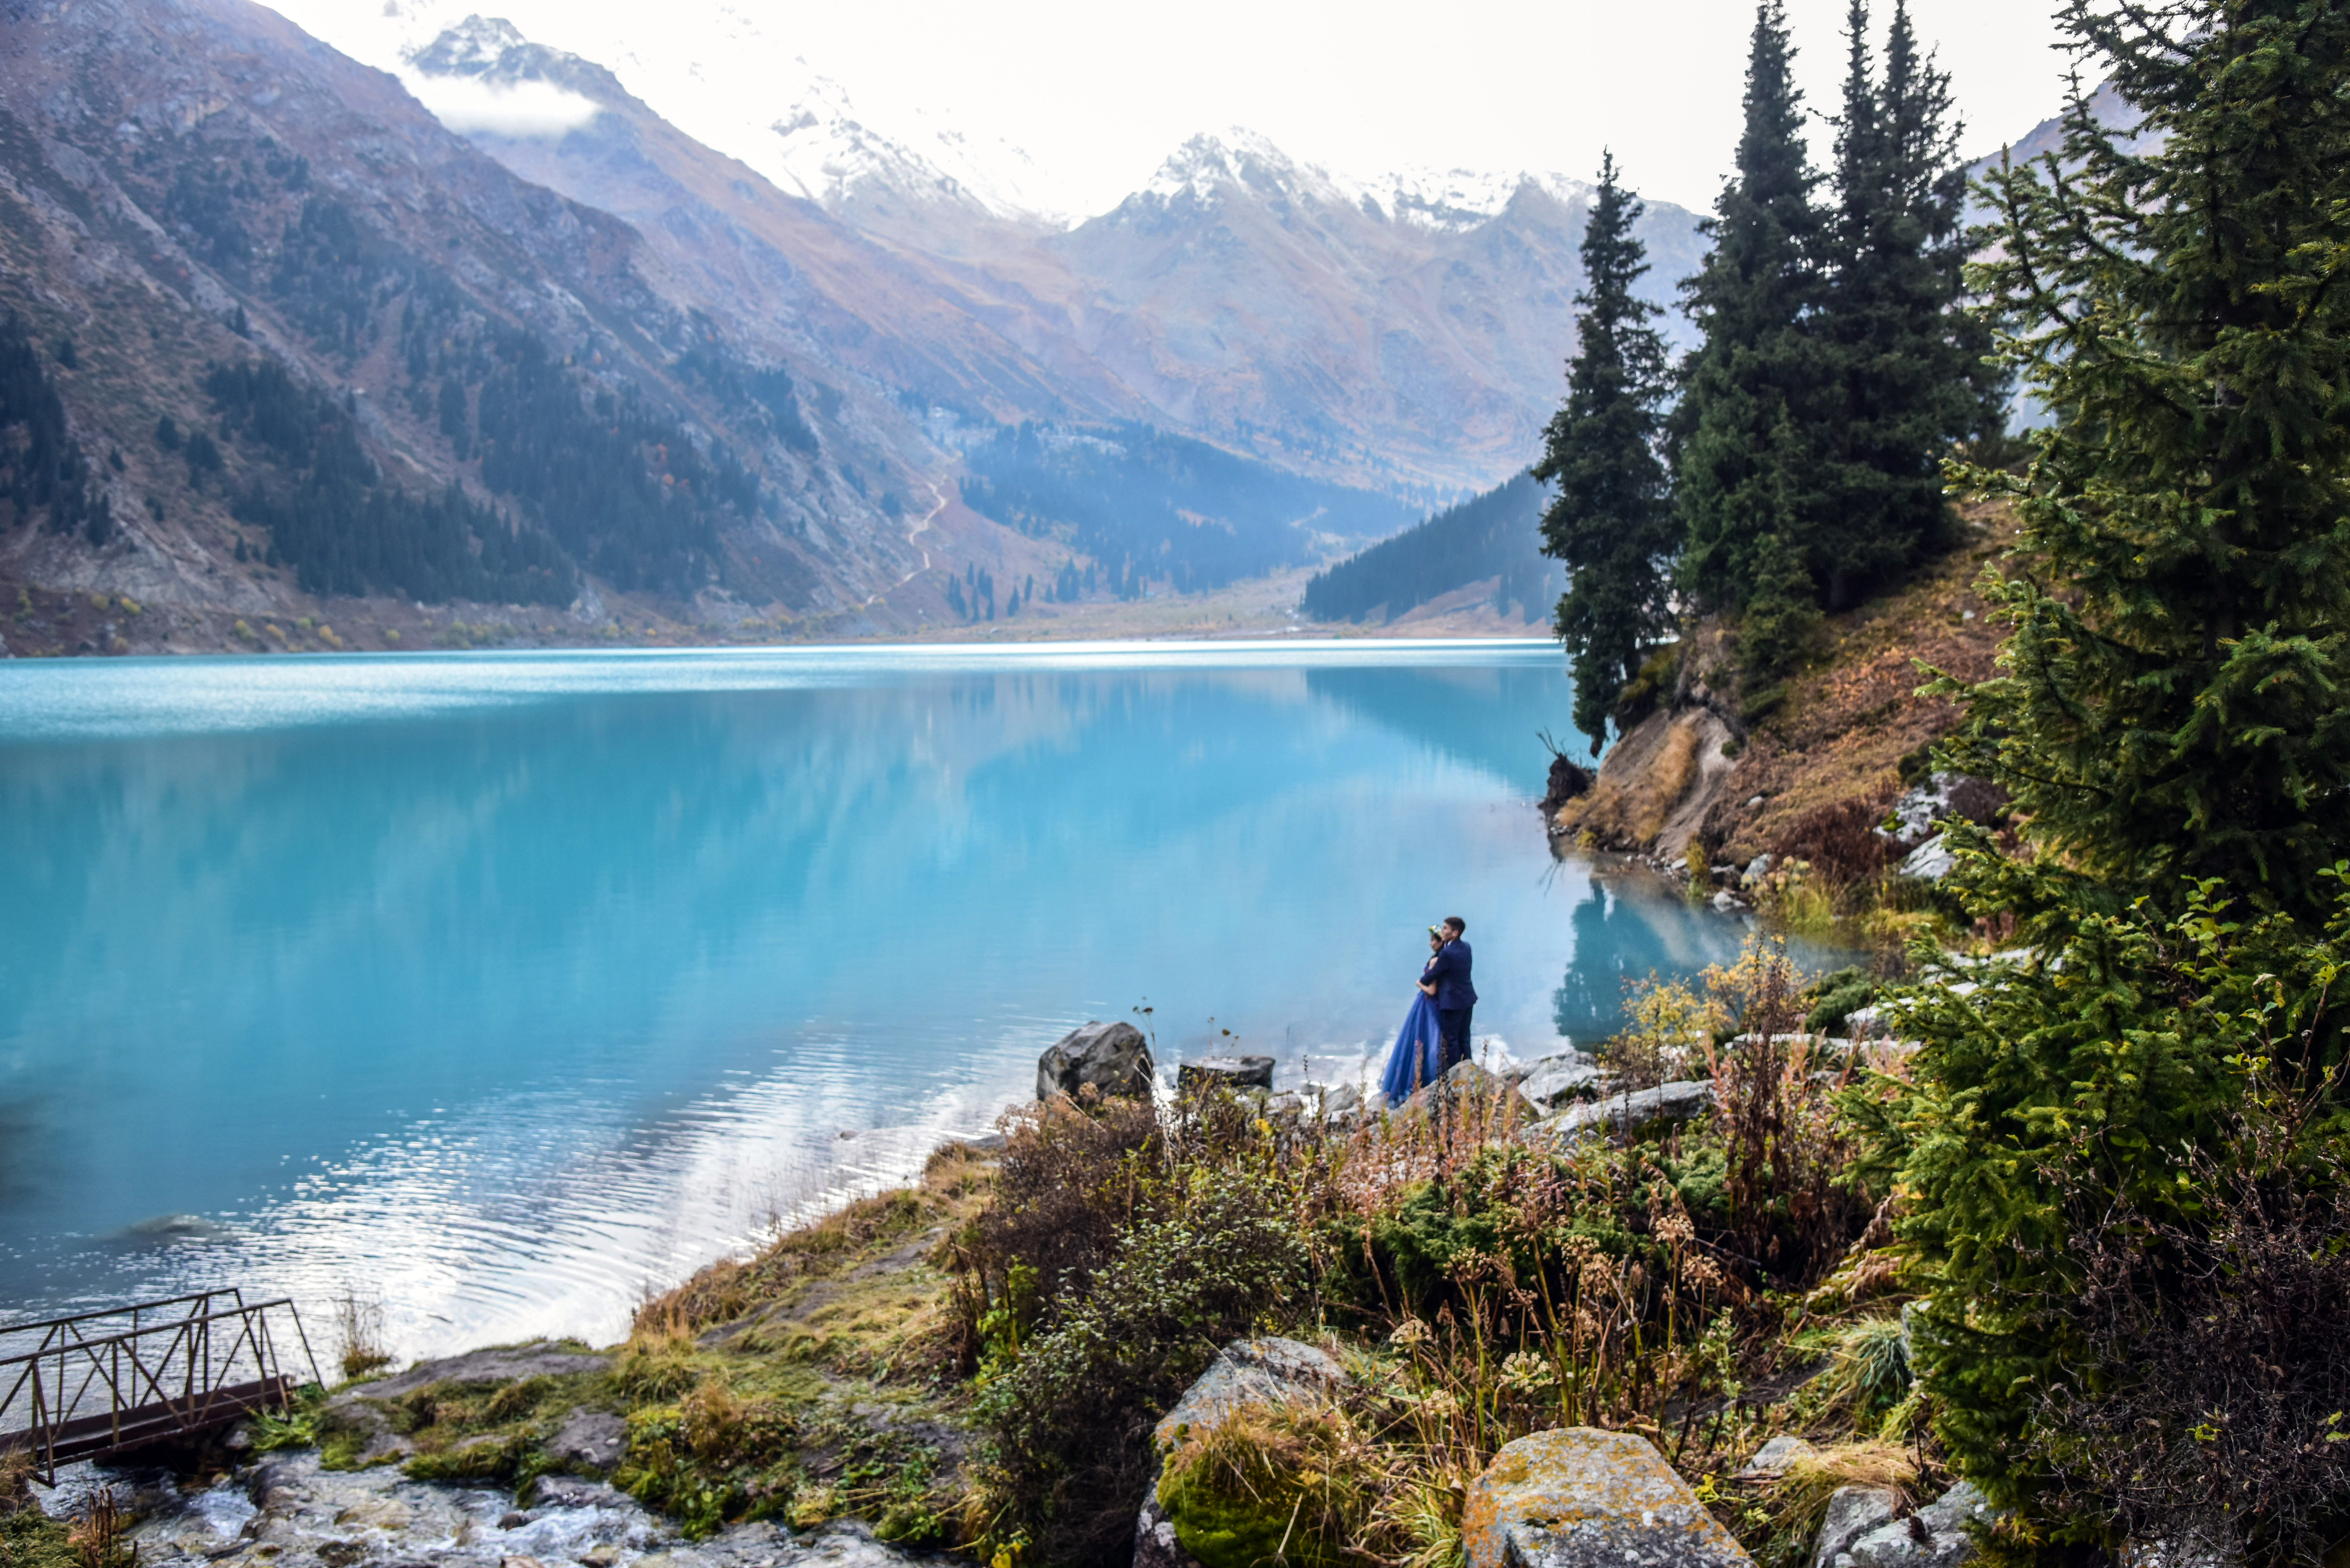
x=1417, y=1057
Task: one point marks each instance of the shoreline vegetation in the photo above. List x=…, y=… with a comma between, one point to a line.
x=975, y=1362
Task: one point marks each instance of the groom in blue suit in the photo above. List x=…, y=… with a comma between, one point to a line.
x=1447, y=979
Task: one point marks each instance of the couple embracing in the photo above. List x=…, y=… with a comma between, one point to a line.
x=1435, y=1034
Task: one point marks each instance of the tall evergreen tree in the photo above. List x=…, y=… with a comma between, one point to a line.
x=2176, y=701
x=1746, y=475
x=1890, y=322
x=1610, y=517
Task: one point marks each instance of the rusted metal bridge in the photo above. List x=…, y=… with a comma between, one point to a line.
x=99, y=1383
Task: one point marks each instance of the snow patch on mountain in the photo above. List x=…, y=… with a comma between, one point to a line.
x=1448, y=200
x=822, y=149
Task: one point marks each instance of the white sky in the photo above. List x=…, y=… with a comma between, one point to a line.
x=1099, y=95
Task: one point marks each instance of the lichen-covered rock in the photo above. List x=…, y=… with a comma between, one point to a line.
x=1249, y=1372
x=1245, y=1371
x=1852, y=1511
x=1114, y=1058
x=1934, y=1537
x=1581, y=1498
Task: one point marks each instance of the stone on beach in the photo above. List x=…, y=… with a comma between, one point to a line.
x=1232, y=1072
x=1114, y=1058
x=1581, y=1498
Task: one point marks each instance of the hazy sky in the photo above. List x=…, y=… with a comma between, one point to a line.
x=1099, y=95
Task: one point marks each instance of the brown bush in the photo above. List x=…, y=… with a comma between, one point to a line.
x=1839, y=840
x=1070, y=1178
x=1786, y=1148
x=2216, y=1420
x=1977, y=800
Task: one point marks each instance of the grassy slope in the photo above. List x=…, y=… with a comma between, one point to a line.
x=1841, y=731
x=1854, y=713
x=815, y=1380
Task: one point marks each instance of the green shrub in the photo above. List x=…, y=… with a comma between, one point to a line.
x=1837, y=996
x=1070, y=1420
x=2055, y=1095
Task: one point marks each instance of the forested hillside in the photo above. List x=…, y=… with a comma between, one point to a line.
x=1492, y=536
x=1148, y=509
x=1791, y=465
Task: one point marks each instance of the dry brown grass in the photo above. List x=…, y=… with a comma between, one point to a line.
x=1644, y=778
x=951, y=1189
x=1847, y=722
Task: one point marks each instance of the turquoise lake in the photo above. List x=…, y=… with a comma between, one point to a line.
x=499, y=988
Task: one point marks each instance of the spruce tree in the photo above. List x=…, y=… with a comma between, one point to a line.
x=1610, y=519
x=1747, y=472
x=1889, y=323
x=2173, y=703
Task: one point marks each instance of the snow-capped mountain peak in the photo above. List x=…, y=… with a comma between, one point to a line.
x=1448, y=200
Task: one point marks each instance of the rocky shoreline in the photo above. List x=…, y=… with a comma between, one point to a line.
x=509, y=1456
x=290, y=1511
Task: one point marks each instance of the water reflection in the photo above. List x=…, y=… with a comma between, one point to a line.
x=1629, y=924
x=507, y=986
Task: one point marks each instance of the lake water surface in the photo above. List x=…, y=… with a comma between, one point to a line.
x=501, y=987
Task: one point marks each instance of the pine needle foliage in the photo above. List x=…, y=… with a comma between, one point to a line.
x=1753, y=392
x=1610, y=517
x=2172, y=704
x=1889, y=321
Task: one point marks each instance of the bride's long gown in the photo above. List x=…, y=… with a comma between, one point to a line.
x=1417, y=1059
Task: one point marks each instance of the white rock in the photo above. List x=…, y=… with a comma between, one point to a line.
x=1676, y=1102
x=1555, y=1080
x=1930, y=861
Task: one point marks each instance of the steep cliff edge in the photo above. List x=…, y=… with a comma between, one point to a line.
x=1748, y=777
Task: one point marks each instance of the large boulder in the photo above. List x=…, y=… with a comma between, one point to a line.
x=1113, y=1057
x=1245, y=1371
x=1934, y=1537
x=1582, y=1498
x=1629, y=1112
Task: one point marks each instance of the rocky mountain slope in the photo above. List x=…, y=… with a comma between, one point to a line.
x=1408, y=331
x=301, y=339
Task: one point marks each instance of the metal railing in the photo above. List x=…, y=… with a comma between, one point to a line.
x=99, y=1383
